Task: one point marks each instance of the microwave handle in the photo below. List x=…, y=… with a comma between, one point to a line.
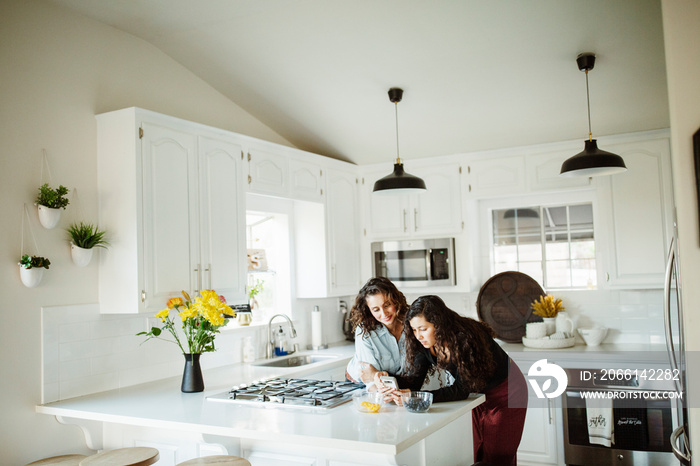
x=428, y=261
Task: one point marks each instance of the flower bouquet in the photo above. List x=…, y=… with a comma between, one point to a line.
x=201, y=320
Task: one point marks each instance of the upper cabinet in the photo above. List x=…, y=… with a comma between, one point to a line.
x=436, y=211
x=170, y=198
x=305, y=180
x=268, y=171
x=637, y=206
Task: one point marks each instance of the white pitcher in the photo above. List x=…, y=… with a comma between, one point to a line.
x=564, y=324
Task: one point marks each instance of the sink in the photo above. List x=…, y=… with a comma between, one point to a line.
x=294, y=361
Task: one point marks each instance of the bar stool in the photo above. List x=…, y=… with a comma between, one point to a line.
x=63, y=460
x=218, y=460
x=133, y=456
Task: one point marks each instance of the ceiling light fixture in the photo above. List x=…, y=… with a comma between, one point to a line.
x=592, y=161
x=399, y=181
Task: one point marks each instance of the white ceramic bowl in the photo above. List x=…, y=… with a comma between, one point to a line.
x=368, y=402
x=593, y=336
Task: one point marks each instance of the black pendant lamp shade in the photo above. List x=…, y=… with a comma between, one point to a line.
x=591, y=161
x=399, y=181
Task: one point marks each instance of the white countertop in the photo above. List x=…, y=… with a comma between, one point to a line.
x=161, y=404
x=581, y=355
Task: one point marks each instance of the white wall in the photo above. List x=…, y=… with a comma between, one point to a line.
x=57, y=71
x=682, y=41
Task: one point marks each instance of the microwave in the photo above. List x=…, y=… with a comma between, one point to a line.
x=419, y=262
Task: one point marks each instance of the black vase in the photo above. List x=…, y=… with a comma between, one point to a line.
x=192, y=380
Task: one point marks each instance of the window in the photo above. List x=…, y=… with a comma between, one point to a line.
x=553, y=244
x=267, y=241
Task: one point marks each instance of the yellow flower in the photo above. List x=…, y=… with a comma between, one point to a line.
x=174, y=302
x=547, y=306
x=163, y=314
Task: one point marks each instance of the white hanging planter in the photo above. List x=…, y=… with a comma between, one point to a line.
x=48, y=217
x=81, y=256
x=31, y=277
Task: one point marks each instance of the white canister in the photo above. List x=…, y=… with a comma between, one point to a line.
x=535, y=330
x=551, y=324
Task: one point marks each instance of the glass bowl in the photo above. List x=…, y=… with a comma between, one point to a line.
x=368, y=402
x=417, y=402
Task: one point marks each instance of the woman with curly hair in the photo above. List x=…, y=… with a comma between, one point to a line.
x=437, y=338
x=378, y=319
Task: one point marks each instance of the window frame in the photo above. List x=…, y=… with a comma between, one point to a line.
x=487, y=206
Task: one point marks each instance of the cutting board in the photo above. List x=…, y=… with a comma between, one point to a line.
x=504, y=303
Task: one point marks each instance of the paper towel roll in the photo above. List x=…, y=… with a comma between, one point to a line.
x=316, y=328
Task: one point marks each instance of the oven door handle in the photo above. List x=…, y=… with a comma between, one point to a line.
x=674, y=444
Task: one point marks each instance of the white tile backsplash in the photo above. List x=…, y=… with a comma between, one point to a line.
x=85, y=352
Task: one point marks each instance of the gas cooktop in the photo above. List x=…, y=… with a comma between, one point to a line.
x=300, y=393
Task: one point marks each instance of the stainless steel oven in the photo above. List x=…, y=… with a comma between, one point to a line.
x=642, y=423
x=420, y=262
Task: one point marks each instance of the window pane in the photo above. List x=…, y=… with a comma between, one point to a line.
x=558, y=274
x=568, y=251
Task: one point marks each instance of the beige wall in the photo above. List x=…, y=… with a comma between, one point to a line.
x=57, y=70
x=682, y=42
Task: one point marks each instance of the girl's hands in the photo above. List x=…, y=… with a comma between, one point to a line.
x=390, y=393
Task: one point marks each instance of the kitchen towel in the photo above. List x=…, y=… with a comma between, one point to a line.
x=599, y=416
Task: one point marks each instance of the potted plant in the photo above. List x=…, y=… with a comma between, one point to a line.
x=547, y=307
x=84, y=237
x=49, y=201
x=254, y=290
x=31, y=269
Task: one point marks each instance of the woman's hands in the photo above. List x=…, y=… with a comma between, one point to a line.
x=367, y=372
x=390, y=393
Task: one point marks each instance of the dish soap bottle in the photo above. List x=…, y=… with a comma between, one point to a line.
x=281, y=344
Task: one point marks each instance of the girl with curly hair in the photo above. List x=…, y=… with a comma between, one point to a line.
x=437, y=338
x=378, y=319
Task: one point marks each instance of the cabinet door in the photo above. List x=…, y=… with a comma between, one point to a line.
x=305, y=181
x=222, y=219
x=439, y=209
x=496, y=177
x=387, y=213
x=170, y=214
x=268, y=172
x=543, y=172
x=342, y=218
x=641, y=210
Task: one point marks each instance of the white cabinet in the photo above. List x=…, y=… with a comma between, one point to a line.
x=495, y=177
x=638, y=208
x=268, y=171
x=305, y=180
x=434, y=212
x=343, y=222
x=170, y=198
x=543, y=170
x=327, y=239
x=542, y=441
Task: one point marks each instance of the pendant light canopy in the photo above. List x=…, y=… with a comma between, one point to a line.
x=399, y=181
x=591, y=161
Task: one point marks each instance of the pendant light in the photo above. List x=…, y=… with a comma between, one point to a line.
x=591, y=161
x=399, y=181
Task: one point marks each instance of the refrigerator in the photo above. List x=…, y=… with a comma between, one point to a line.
x=675, y=345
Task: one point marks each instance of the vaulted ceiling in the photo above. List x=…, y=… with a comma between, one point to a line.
x=476, y=74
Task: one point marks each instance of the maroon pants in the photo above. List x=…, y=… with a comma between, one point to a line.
x=497, y=428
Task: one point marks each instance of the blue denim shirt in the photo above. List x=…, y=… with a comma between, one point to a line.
x=378, y=348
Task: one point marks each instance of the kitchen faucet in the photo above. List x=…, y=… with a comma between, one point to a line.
x=271, y=342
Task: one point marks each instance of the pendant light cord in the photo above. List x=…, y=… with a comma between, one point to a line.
x=588, y=102
x=396, y=112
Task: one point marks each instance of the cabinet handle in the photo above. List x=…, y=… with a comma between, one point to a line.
x=333, y=275
x=415, y=219
x=405, y=227
x=198, y=280
x=549, y=410
x=143, y=296
x=208, y=271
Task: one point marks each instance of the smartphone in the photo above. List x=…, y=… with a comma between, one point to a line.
x=389, y=381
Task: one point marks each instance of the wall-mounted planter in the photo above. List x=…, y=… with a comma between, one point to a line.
x=48, y=217
x=81, y=256
x=31, y=277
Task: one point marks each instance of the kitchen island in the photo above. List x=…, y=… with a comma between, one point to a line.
x=187, y=425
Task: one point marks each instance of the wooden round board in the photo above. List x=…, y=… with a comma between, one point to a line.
x=504, y=303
